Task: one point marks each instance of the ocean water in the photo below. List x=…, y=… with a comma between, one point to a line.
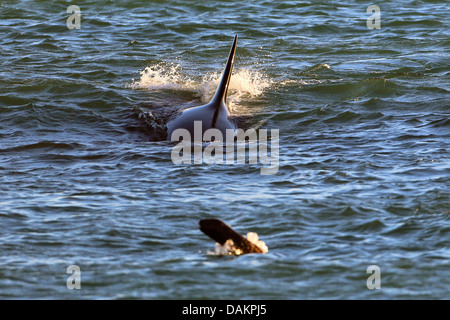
x=87, y=179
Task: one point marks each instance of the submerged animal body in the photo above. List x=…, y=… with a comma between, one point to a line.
x=214, y=115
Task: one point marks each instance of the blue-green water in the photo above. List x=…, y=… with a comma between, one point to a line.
x=364, y=171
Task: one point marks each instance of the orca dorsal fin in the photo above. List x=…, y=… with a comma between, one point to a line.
x=222, y=89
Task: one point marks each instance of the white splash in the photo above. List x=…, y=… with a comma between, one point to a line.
x=229, y=249
x=163, y=76
x=244, y=82
x=254, y=238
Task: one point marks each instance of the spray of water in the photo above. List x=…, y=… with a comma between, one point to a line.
x=245, y=82
x=229, y=249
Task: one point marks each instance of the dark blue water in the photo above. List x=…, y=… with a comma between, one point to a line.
x=87, y=179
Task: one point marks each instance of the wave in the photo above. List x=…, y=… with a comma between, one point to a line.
x=43, y=145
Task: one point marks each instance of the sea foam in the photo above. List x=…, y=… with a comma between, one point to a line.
x=245, y=82
x=229, y=249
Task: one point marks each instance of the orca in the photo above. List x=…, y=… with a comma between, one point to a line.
x=221, y=233
x=215, y=114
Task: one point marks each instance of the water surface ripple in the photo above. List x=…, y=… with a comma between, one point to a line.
x=364, y=149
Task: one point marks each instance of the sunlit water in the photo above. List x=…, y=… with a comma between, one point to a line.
x=86, y=176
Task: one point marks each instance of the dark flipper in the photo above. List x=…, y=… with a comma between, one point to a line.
x=220, y=232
